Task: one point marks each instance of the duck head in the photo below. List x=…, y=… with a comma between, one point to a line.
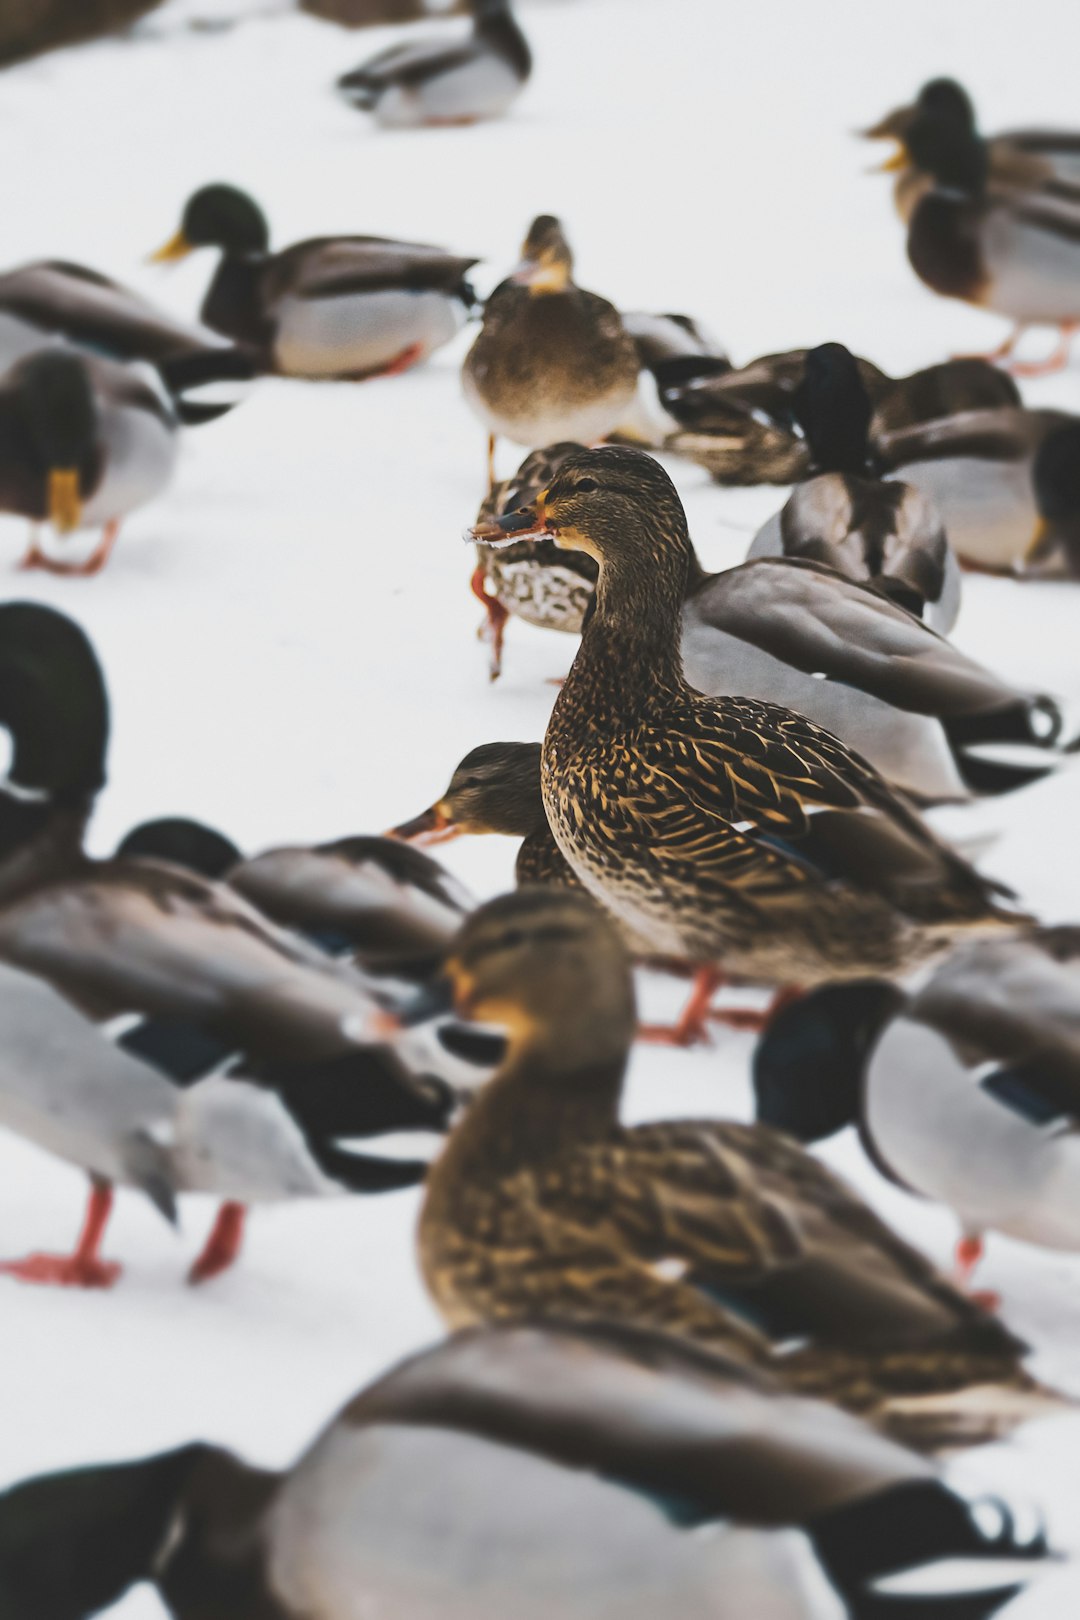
x=547, y=263
x=942, y=97
x=55, y=402
x=1055, y=477
x=218, y=216
x=810, y=1061
x=948, y=149
x=833, y=409
x=495, y=789
x=186, y=843
x=548, y=967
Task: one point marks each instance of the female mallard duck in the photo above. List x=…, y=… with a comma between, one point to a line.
x=966, y=1091
x=543, y=1205
x=590, y=1469
x=343, y=307
x=551, y=362
x=1018, y=255
x=52, y=301
x=1006, y=482
x=788, y=416
x=83, y=443
x=889, y=535
x=124, y=936
x=723, y=830
x=533, y=581
x=1018, y=159
x=443, y=81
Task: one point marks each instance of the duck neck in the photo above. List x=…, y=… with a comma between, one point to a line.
x=232, y=305
x=38, y=845
x=496, y=25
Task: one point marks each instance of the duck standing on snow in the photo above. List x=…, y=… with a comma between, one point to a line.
x=446, y=81
x=542, y=1205
x=552, y=362
x=345, y=307
x=569, y=1470
x=83, y=443
x=966, y=1091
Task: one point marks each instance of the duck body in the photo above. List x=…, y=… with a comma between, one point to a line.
x=531, y=1466
x=344, y=307
x=1016, y=258
x=443, y=81
x=885, y=534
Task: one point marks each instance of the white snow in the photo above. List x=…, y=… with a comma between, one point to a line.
x=288, y=634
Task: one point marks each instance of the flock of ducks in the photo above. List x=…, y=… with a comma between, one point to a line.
x=684, y=1357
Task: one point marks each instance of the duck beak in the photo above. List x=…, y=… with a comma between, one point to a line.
x=432, y=826
x=892, y=165
x=1041, y=544
x=65, y=502
x=177, y=247
x=527, y=523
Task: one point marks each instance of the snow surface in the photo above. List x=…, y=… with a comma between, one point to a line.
x=288, y=634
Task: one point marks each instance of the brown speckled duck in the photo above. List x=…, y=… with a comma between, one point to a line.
x=725, y=830
x=543, y=1205
x=552, y=362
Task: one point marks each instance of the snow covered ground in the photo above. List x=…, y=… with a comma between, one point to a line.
x=289, y=637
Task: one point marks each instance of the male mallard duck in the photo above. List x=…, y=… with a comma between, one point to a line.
x=533, y=581
x=788, y=416
x=443, y=81
x=723, y=829
x=1006, y=482
x=886, y=534
x=544, y=1469
x=966, y=1091
x=1018, y=159
x=83, y=443
x=543, y=1205
x=673, y=350
x=127, y=936
x=551, y=362
x=343, y=307
x=1018, y=255
x=52, y=300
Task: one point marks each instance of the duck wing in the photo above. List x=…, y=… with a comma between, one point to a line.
x=991, y=435
x=336, y=266
x=77, y=303
x=412, y=63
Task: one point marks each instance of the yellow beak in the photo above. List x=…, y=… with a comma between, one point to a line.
x=1040, y=544
x=65, y=503
x=177, y=247
x=898, y=161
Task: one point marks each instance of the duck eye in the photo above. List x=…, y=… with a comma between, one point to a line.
x=585, y=486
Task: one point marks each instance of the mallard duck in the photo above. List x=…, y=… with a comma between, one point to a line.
x=1018, y=255
x=1006, y=482
x=83, y=443
x=542, y=1205
x=965, y=1091
x=885, y=534
x=343, y=307
x=52, y=300
x=446, y=81
x=1019, y=159
x=673, y=350
x=552, y=362
x=723, y=829
x=124, y=936
x=533, y=581
x=584, y=1469
x=788, y=416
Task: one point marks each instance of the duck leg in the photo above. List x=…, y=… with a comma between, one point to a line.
x=222, y=1246
x=494, y=629
x=692, y=1023
x=402, y=362
x=967, y=1258
x=1003, y=351
x=83, y=1269
x=1057, y=361
x=35, y=558
x=491, y=462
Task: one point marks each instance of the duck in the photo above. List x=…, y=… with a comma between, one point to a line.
x=786, y=417
x=203, y=973
x=551, y=361
x=725, y=830
x=542, y=1205
x=1016, y=255
x=673, y=350
x=55, y=301
x=886, y=534
x=963, y=1090
x=84, y=442
x=1006, y=482
x=583, y=1466
x=332, y=307
x=446, y=81
x=533, y=581
x=1019, y=159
